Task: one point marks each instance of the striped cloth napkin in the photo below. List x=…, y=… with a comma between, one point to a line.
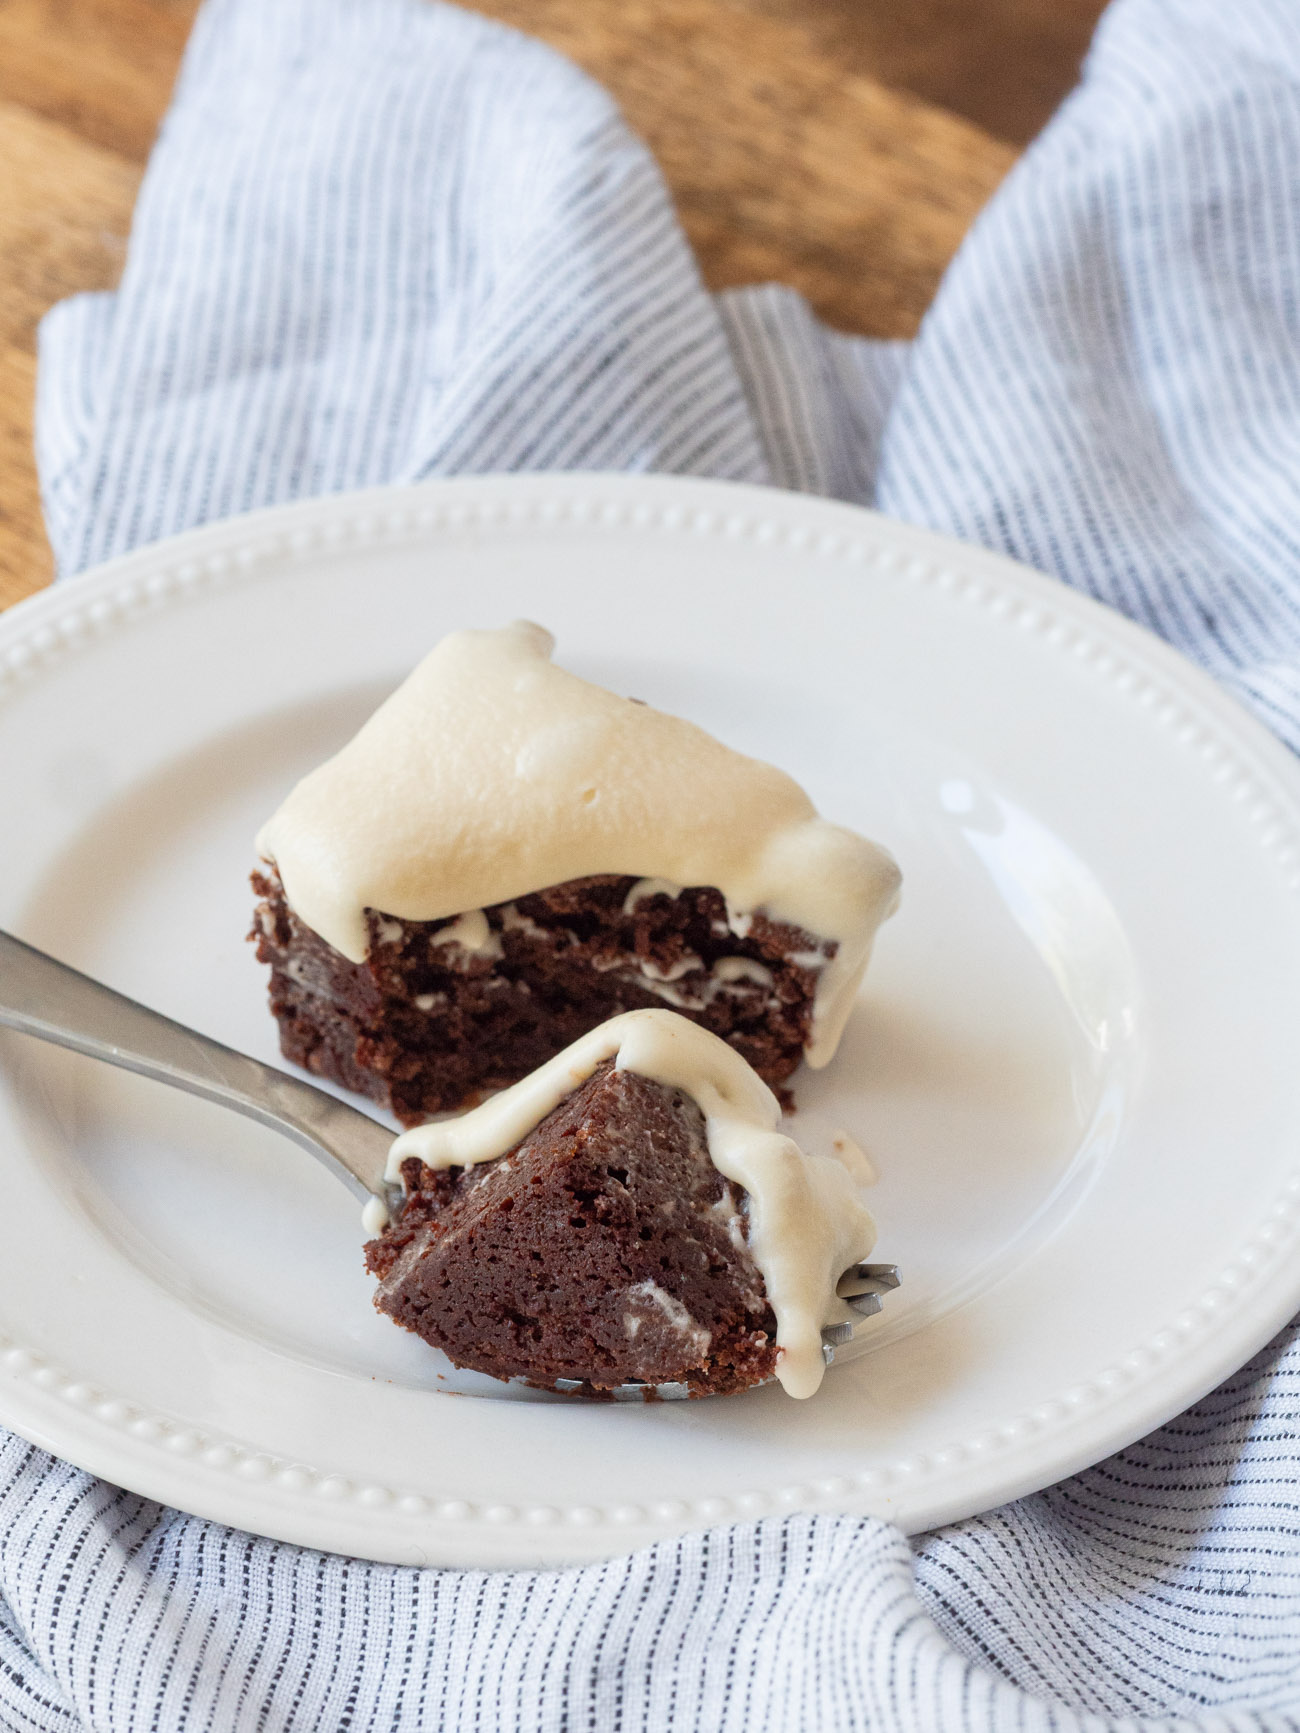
x=381, y=239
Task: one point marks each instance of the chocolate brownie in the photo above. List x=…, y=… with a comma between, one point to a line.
x=441, y=1012
x=603, y=1249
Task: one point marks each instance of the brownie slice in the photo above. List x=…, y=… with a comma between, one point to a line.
x=604, y=1249
x=442, y=1012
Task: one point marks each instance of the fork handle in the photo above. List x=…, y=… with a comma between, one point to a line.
x=45, y=998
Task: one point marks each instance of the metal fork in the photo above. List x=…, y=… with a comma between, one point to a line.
x=45, y=998
x=41, y=997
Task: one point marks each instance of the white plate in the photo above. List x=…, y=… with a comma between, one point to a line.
x=1073, y=1063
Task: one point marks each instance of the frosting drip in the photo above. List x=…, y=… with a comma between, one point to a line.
x=491, y=773
x=807, y=1220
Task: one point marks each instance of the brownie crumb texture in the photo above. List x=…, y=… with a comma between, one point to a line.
x=443, y=1012
x=604, y=1249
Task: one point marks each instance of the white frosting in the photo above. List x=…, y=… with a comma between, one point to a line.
x=807, y=1220
x=491, y=773
x=673, y=1313
x=644, y=888
x=374, y=1217
x=855, y=1158
x=729, y=970
x=472, y=933
x=737, y=976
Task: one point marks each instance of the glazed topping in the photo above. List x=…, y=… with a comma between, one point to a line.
x=807, y=1220
x=491, y=773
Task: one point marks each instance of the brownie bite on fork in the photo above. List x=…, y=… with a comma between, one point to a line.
x=629, y=1216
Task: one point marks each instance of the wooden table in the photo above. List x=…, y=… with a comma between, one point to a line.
x=787, y=160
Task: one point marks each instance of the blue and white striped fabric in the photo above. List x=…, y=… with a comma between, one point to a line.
x=381, y=239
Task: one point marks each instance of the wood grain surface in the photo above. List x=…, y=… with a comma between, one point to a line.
x=788, y=160
x=1005, y=64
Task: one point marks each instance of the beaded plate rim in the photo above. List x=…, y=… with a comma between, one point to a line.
x=43, y=1397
